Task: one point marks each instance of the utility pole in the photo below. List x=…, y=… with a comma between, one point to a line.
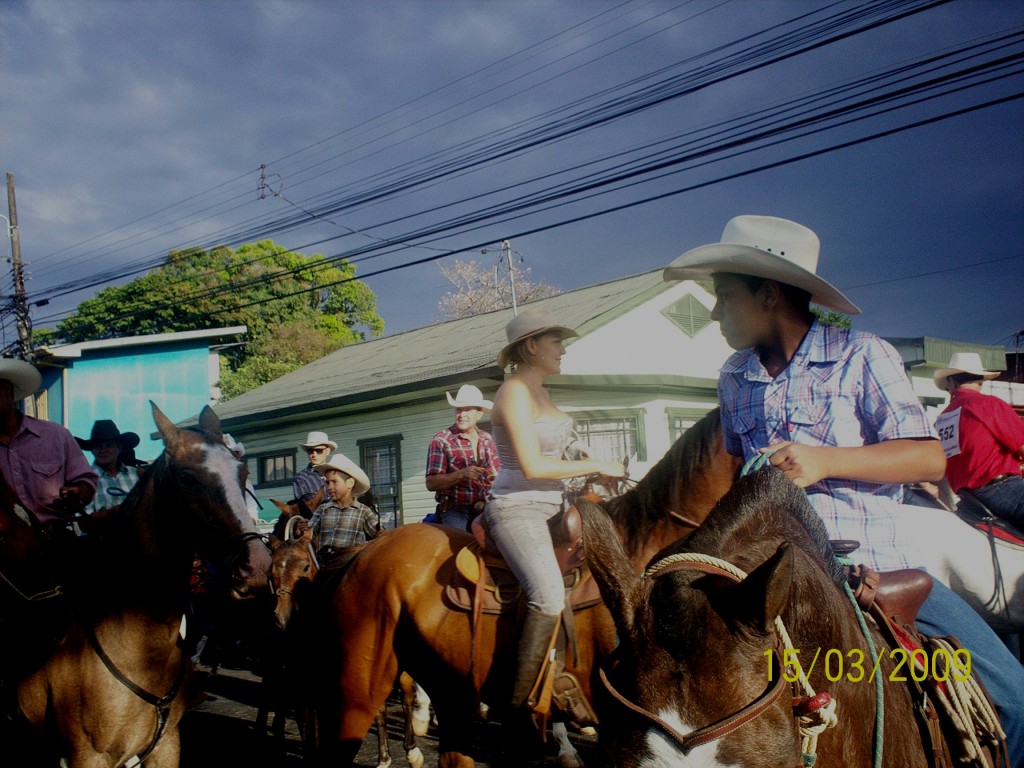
x=506, y=250
x=20, y=304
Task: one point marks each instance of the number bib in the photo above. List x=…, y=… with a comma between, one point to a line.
x=948, y=427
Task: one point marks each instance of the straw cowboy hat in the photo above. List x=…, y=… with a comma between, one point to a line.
x=469, y=397
x=344, y=464
x=962, y=362
x=105, y=429
x=764, y=246
x=314, y=439
x=23, y=376
x=534, y=321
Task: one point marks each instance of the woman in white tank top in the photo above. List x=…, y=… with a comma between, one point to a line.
x=531, y=434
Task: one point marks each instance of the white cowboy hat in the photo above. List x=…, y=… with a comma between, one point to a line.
x=343, y=463
x=469, y=397
x=962, y=362
x=764, y=246
x=234, y=446
x=531, y=322
x=314, y=439
x=23, y=376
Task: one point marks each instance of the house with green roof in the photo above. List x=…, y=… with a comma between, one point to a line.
x=643, y=370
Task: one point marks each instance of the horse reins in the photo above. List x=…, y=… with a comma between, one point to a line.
x=161, y=703
x=716, y=730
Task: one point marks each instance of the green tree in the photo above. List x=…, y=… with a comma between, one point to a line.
x=831, y=317
x=297, y=308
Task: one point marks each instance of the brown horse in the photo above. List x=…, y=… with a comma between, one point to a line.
x=697, y=679
x=390, y=613
x=112, y=692
x=293, y=571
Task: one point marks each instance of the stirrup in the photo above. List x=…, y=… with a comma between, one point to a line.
x=568, y=697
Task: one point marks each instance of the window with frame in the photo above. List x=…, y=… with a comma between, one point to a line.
x=681, y=419
x=275, y=468
x=381, y=459
x=612, y=435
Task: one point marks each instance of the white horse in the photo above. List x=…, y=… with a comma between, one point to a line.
x=987, y=573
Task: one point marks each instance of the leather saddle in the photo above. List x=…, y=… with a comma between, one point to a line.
x=973, y=511
x=900, y=594
x=892, y=599
x=481, y=581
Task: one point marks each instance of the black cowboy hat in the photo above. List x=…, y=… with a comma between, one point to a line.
x=105, y=429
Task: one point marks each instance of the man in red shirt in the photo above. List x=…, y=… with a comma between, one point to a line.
x=983, y=438
x=462, y=461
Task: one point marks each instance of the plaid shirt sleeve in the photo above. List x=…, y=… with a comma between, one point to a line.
x=306, y=483
x=891, y=409
x=437, y=456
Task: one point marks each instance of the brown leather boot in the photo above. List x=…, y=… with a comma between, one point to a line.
x=535, y=643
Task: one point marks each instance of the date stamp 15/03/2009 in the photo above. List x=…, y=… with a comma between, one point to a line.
x=919, y=665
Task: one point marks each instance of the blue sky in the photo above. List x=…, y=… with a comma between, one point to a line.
x=133, y=128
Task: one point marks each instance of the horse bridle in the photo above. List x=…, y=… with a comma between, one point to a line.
x=162, y=704
x=731, y=722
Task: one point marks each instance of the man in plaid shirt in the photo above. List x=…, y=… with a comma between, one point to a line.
x=835, y=410
x=462, y=461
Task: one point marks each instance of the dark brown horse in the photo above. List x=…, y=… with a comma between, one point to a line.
x=699, y=648
x=112, y=691
x=33, y=612
x=390, y=613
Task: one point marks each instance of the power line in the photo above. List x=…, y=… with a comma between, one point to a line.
x=870, y=16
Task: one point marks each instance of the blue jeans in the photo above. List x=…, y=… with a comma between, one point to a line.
x=457, y=518
x=945, y=613
x=520, y=529
x=1005, y=499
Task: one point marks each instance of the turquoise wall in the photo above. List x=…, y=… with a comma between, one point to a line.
x=119, y=383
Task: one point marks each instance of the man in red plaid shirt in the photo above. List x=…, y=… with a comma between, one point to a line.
x=462, y=461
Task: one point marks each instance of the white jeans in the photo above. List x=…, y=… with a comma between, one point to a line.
x=520, y=529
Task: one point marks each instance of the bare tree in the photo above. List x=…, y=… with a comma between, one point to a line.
x=479, y=288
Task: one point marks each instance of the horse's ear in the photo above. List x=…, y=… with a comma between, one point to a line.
x=285, y=508
x=620, y=585
x=763, y=595
x=307, y=536
x=168, y=430
x=274, y=542
x=209, y=421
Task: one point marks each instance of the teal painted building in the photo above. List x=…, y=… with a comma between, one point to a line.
x=117, y=378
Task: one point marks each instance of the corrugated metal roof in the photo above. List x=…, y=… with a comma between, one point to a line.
x=928, y=350
x=448, y=350
x=62, y=351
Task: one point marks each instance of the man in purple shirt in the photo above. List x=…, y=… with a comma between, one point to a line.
x=40, y=461
x=836, y=411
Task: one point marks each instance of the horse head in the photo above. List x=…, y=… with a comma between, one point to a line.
x=204, y=479
x=691, y=679
x=294, y=566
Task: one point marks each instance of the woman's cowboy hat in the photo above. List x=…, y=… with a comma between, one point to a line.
x=534, y=321
x=105, y=429
x=23, y=376
x=962, y=362
x=469, y=397
x=764, y=246
x=344, y=464
x=314, y=439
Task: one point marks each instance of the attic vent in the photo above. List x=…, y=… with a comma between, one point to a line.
x=689, y=315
